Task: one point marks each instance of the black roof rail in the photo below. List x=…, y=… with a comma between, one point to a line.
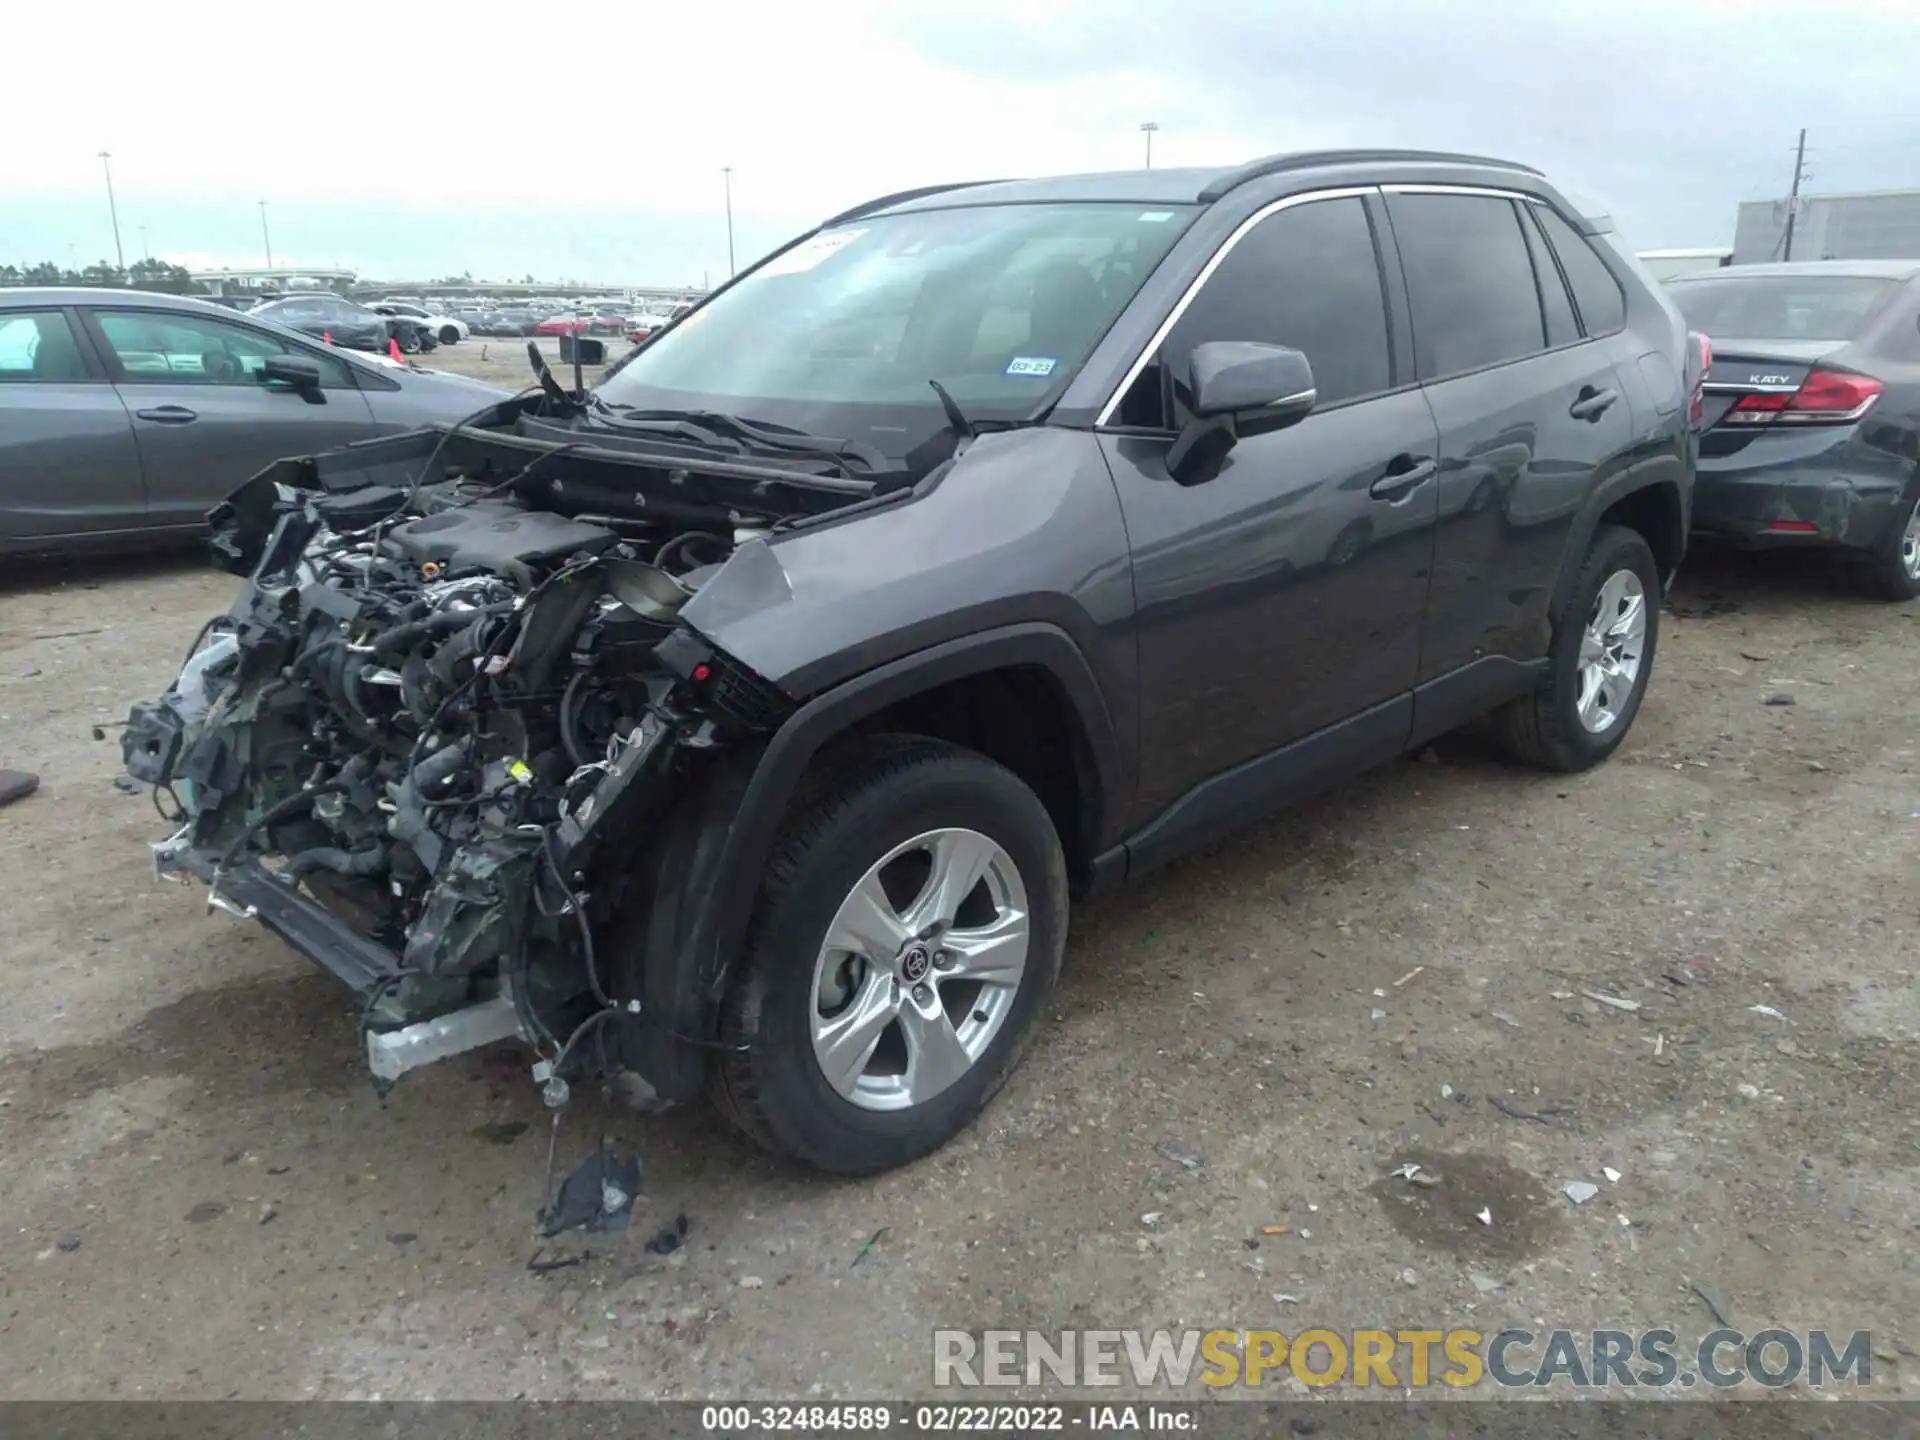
x=1317, y=159
x=900, y=198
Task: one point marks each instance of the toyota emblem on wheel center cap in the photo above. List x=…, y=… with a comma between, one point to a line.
x=915, y=962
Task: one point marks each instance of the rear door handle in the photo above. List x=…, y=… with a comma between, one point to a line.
x=169, y=415
x=1591, y=404
x=1398, y=483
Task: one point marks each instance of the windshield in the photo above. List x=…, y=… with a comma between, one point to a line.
x=1781, y=307
x=840, y=334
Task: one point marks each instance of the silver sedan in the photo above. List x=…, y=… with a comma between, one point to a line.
x=126, y=416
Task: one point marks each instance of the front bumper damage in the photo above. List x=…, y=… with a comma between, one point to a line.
x=442, y=745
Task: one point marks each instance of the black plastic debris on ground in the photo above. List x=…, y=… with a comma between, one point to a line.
x=596, y=1197
x=668, y=1238
x=17, y=785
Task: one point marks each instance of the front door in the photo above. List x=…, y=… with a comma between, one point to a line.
x=1282, y=598
x=204, y=415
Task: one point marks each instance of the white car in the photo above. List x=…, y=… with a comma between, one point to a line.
x=446, y=328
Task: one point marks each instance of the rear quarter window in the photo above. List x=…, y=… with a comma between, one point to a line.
x=1596, y=293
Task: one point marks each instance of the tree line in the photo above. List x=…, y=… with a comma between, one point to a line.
x=141, y=275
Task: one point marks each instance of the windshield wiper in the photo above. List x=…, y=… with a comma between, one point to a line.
x=750, y=432
x=956, y=417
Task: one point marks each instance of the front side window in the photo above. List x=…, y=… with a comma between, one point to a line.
x=1469, y=280
x=1306, y=277
x=839, y=335
x=39, y=345
x=192, y=349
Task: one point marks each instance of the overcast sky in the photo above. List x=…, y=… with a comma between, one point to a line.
x=408, y=139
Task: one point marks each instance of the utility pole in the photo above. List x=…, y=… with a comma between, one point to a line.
x=1147, y=128
x=726, y=175
x=119, y=255
x=144, y=250
x=266, y=238
x=1793, y=198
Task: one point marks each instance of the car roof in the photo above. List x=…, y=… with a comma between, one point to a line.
x=33, y=297
x=1198, y=185
x=1839, y=269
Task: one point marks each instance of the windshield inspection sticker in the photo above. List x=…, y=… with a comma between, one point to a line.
x=1155, y=215
x=809, y=253
x=1031, y=365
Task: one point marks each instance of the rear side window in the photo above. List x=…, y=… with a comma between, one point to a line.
x=1555, y=304
x=1602, y=303
x=39, y=345
x=1470, y=282
x=1307, y=277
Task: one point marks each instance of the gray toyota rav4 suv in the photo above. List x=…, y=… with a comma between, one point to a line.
x=743, y=725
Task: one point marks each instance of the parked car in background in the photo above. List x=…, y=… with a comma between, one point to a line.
x=1813, y=411
x=126, y=415
x=1666, y=265
x=342, y=322
x=508, y=322
x=564, y=324
x=445, y=328
x=607, y=322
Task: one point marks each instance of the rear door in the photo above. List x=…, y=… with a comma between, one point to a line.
x=68, y=462
x=204, y=416
x=1530, y=409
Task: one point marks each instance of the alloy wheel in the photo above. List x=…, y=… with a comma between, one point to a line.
x=1910, y=544
x=920, y=969
x=1610, y=651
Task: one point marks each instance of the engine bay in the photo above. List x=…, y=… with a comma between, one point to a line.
x=452, y=700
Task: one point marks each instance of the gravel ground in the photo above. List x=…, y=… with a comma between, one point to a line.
x=203, y=1197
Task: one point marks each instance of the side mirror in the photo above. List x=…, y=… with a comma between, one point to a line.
x=1236, y=388
x=584, y=348
x=295, y=371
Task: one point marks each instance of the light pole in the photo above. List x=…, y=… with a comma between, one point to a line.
x=143, y=243
x=266, y=238
x=106, y=164
x=726, y=176
x=1147, y=128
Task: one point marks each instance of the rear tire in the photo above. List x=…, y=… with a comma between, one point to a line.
x=793, y=992
x=1587, y=661
x=1893, y=571
x=449, y=335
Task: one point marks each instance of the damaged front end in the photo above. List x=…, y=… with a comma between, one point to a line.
x=440, y=740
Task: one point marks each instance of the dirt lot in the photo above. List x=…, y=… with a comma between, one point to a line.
x=204, y=1198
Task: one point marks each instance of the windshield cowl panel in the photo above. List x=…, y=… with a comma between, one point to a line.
x=840, y=334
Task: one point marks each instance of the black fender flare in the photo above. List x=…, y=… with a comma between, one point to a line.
x=692, y=955
x=770, y=790
x=1604, y=497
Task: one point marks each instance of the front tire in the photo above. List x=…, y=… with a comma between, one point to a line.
x=1598, y=665
x=907, y=936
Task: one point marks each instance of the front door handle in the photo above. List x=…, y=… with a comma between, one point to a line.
x=1590, y=404
x=1403, y=477
x=169, y=415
